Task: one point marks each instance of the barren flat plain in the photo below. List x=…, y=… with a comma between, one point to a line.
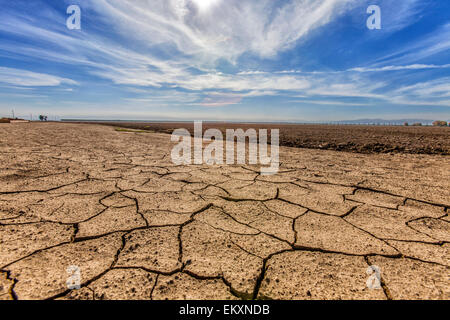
x=112, y=204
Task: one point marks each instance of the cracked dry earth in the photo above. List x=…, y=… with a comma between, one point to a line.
x=139, y=227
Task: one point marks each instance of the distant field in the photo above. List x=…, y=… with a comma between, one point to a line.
x=351, y=138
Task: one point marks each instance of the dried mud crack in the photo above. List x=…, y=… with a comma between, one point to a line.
x=139, y=227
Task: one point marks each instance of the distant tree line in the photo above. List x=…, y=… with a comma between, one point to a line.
x=440, y=123
x=435, y=123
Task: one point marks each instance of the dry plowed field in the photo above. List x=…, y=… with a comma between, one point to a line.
x=351, y=138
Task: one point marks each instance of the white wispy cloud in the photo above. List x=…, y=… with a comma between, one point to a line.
x=397, y=15
x=427, y=46
x=399, y=68
x=435, y=88
x=18, y=77
x=224, y=29
x=330, y=102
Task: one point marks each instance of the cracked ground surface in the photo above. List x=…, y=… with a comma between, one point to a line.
x=139, y=227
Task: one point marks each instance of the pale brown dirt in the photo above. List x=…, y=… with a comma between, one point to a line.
x=139, y=227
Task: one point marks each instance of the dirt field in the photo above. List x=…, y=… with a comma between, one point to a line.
x=112, y=204
x=351, y=138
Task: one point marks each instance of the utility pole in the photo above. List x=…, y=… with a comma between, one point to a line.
x=13, y=113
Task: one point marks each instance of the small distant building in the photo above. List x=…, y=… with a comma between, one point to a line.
x=10, y=120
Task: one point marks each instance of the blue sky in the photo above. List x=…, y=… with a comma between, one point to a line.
x=250, y=60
